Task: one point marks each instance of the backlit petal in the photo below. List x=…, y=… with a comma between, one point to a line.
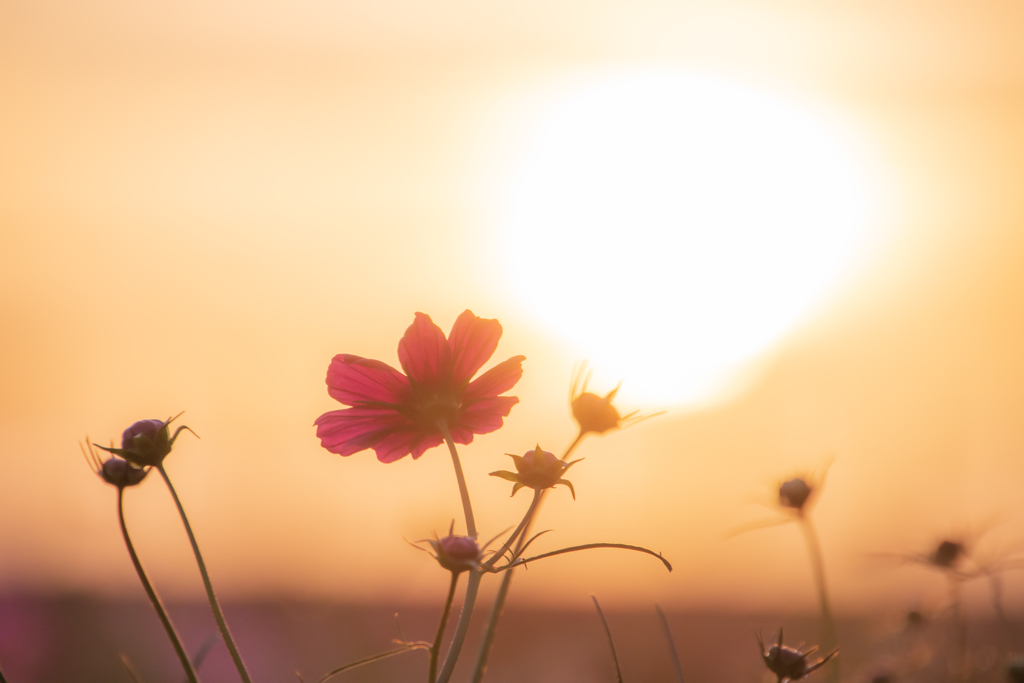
x=352, y=380
x=485, y=416
x=473, y=341
x=425, y=354
x=497, y=380
x=352, y=430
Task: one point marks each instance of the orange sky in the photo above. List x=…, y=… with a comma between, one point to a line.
x=202, y=204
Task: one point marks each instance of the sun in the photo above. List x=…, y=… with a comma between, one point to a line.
x=671, y=226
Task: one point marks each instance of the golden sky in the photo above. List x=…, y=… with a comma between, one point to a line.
x=201, y=203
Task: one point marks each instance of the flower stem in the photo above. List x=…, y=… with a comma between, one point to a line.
x=151, y=592
x=671, y=644
x=499, y=600
x=472, y=587
x=460, y=478
x=435, y=649
x=527, y=518
x=611, y=643
x=830, y=638
x=214, y=605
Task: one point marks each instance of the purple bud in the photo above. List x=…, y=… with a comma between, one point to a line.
x=146, y=443
x=457, y=553
x=121, y=473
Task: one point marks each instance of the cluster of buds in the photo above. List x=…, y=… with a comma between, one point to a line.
x=537, y=469
x=789, y=664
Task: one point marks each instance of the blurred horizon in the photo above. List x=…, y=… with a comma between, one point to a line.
x=203, y=203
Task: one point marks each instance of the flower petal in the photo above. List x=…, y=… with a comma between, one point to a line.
x=425, y=354
x=353, y=380
x=497, y=380
x=473, y=341
x=352, y=430
x=397, y=446
x=485, y=416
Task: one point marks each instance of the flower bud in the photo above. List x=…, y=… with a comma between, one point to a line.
x=456, y=553
x=947, y=554
x=147, y=442
x=537, y=469
x=789, y=664
x=121, y=473
x=595, y=414
x=794, y=493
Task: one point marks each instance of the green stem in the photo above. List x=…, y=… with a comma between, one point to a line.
x=499, y=600
x=151, y=592
x=472, y=587
x=435, y=649
x=830, y=639
x=460, y=478
x=214, y=606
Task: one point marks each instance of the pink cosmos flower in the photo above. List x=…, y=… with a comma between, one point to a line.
x=397, y=415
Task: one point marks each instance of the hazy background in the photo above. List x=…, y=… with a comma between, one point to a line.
x=201, y=203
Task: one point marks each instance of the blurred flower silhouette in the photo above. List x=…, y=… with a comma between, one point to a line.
x=147, y=442
x=397, y=415
x=788, y=664
x=537, y=469
x=596, y=414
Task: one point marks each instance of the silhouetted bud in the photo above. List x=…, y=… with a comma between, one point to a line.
x=594, y=413
x=456, y=553
x=916, y=619
x=947, y=554
x=537, y=469
x=121, y=473
x=794, y=493
x=789, y=664
x=147, y=442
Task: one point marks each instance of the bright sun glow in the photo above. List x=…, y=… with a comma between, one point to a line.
x=673, y=226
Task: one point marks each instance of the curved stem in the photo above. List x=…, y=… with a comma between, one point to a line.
x=585, y=546
x=830, y=639
x=214, y=605
x=460, y=478
x=472, y=587
x=435, y=649
x=499, y=600
x=151, y=592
